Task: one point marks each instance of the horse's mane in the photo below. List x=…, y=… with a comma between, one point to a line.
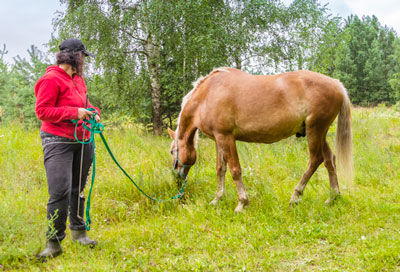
x=196, y=84
x=187, y=97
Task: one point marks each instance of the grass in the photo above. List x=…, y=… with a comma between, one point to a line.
x=360, y=232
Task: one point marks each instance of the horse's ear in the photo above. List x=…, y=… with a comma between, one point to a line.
x=171, y=133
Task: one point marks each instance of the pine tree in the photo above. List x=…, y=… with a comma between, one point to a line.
x=365, y=62
x=395, y=78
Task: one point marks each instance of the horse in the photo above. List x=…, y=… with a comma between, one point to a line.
x=230, y=105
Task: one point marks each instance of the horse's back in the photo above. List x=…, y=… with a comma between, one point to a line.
x=266, y=108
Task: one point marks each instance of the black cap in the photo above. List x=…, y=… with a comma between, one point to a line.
x=74, y=45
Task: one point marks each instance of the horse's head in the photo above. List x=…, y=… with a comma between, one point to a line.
x=183, y=154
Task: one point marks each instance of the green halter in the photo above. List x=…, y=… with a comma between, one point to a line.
x=177, y=161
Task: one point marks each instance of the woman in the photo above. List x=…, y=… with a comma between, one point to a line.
x=60, y=97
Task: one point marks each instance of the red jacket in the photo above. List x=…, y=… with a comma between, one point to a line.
x=58, y=97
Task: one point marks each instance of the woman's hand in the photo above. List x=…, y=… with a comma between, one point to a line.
x=84, y=113
x=97, y=118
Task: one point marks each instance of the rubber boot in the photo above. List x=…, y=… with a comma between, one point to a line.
x=81, y=237
x=53, y=249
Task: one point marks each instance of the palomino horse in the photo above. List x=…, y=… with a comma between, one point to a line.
x=229, y=105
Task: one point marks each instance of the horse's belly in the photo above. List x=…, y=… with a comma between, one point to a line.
x=267, y=132
x=262, y=137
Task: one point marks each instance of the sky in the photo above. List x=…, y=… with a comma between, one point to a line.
x=387, y=11
x=27, y=22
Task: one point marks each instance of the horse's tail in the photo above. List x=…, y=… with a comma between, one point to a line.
x=344, y=146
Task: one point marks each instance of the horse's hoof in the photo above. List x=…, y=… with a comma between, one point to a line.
x=214, y=202
x=241, y=205
x=294, y=200
x=332, y=198
x=239, y=209
x=329, y=201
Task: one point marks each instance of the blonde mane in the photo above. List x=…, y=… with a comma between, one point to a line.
x=187, y=97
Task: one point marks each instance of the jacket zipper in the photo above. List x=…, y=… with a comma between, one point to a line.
x=76, y=90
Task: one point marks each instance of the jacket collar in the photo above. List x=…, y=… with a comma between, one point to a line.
x=60, y=71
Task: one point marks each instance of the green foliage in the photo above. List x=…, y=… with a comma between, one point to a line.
x=395, y=80
x=3, y=81
x=183, y=49
x=17, y=97
x=365, y=62
x=143, y=47
x=148, y=52
x=360, y=232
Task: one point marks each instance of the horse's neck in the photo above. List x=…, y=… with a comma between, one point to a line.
x=186, y=131
x=186, y=135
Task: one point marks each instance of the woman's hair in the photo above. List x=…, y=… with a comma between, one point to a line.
x=75, y=59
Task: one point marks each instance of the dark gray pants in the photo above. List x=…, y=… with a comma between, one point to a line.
x=62, y=158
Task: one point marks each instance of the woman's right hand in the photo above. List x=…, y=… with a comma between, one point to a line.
x=84, y=113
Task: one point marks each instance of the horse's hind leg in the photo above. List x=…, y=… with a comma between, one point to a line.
x=228, y=146
x=316, y=158
x=329, y=162
x=221, y=170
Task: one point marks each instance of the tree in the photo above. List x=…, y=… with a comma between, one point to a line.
x=365, y=62
x=17, y=98
x=148, y=52
x=299, y=37
x=3, y=80
x=395, y=79
x=145, y=40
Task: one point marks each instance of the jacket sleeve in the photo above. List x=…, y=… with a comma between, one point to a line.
x=46, y=93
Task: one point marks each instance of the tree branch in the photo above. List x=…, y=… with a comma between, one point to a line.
x=136, y=51
x=133, y=36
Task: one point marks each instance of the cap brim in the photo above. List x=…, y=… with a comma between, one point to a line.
x=88, y=54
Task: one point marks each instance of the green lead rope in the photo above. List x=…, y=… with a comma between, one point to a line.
x=97, y=128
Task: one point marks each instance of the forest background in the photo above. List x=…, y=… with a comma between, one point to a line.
x=148, y=53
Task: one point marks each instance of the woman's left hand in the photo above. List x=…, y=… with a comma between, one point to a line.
x=97, y=118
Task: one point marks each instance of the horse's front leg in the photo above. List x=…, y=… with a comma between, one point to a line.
x=221, y=170
x=228, y=146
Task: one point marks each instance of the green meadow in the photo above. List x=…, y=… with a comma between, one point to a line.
x=359, y=232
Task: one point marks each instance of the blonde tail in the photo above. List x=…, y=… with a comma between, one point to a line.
x=344, y=146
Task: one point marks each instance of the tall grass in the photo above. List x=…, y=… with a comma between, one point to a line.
x=360, y=232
